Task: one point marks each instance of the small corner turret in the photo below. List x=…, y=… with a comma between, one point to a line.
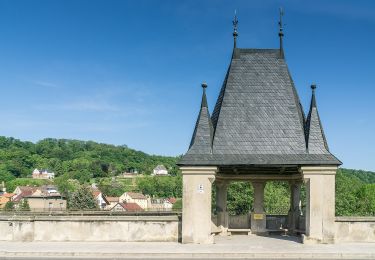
x=316, y=142
x=201, y=141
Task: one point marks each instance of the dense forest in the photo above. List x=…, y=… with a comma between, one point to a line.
x=78, y=160
x=79, y=163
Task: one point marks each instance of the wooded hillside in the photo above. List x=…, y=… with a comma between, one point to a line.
x=83, y=162
x=79, y=160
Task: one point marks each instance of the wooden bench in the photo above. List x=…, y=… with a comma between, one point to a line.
x=239, y=230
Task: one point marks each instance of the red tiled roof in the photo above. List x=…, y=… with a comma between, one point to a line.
x=23, y=194
x=113, y=199
x=135, y=195
x=8, y=195
x=27, y=189
x=172, y=200
x=96, y=193
x=131, y=206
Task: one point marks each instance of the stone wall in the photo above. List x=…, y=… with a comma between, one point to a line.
x=89, y=228
x=276, y=222
x=239, y=221
x=355, y=229
x=273, y=222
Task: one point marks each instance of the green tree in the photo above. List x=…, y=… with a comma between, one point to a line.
x=240, y=198
x=82, y=199
x=24, y=205
x=347, y=187
x=65, y=185
x=277, y=197
x=11, y=185
x=6, y=176
x=9, y=206
x=177, y=205
x=166, y=186
x=366, y=200
x=116, y=187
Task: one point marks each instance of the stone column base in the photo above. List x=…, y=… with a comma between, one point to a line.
x=196, y=206
x=258, y=223
x=222, y=222
x=320, y=203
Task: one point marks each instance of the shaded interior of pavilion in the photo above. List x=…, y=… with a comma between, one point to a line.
x=262, y=213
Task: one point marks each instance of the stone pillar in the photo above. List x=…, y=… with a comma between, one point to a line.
x=196, y=204
x=320, y=203
x=294, y=212
x=258, y=216
x=221, y=206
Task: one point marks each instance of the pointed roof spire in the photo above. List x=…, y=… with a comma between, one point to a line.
x=201, y=141
x=204, y=98
x=281, y=33
x=315, y=138
x=235, y=33
x=313, y=101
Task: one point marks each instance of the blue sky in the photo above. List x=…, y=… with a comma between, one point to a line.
x=129, y=72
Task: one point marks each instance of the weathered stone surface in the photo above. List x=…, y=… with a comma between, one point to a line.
x=89, y=228
x=355, y=229
x=320, y=208
x=196, y=212
x=258, y=216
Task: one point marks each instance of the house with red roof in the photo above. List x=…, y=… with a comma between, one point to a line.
x=23, y=191
x=132, y=207
x=4, y=198
x=101, y=200
x=135, y=197
x=112, y=202
x=161, y=204
x=43, y=198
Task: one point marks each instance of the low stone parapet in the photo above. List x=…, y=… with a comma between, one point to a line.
x=90, y=228
x=355, y=229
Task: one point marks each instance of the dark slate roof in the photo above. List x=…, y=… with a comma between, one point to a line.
x=315, y=138
x=258, y=118
x=260, y=159
x=201, y=141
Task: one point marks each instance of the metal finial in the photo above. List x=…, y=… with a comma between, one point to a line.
x=204, y=98
x=235, y=23
x=281, y=33
x=281, y=11
x=313, y=100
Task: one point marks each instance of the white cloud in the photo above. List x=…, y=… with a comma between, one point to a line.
x=45, y=84
x=89, y=105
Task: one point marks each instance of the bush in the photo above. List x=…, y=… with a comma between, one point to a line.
x=177, y=205
x=9, y=206
x=11, y=185
x=366, y=200
x=166, y=186
x=24, y=205
x=240, y=198
x=277, y=197
x=82, y=199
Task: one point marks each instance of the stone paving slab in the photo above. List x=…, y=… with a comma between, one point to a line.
x=235, y=247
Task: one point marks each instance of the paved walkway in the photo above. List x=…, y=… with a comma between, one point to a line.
x=235, y=247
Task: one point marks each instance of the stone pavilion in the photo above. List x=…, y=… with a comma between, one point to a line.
x=258, y=132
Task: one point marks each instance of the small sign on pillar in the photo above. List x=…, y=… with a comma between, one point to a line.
x=200, y=188
x=258, y=216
